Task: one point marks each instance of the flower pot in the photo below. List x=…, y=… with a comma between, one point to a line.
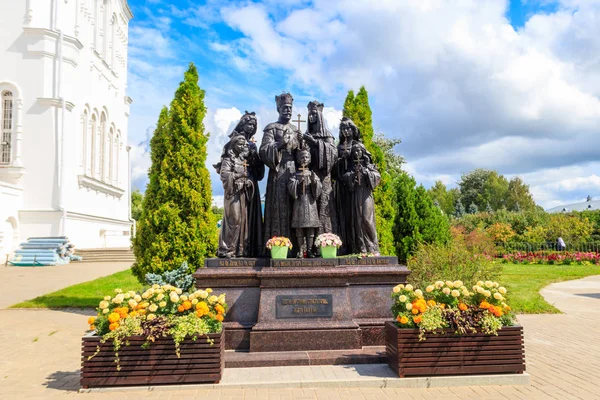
x=328, y=251
x=200, y=362
x=279, y=252
x=445, y=353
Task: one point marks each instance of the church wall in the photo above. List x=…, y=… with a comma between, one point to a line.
x=93, y=80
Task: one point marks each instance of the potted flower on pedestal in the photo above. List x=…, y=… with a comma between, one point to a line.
x=279, y=246
x=450, y=330
x=329, y=243
x=160, y=336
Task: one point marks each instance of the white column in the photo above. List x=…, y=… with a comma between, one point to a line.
x=18, y=119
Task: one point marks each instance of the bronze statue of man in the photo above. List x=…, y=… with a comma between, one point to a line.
x=277, y=150
x=324, y=155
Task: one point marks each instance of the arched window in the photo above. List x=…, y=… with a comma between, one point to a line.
x=101, y=173
x=84, y=140
x=94, y=146
x=111, y=156
x=6, y=123
x=119, y=148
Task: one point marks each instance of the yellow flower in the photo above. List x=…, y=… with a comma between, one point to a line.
x=502, y=290
x=446, y=291
x=103, y=304
x=409, y=287
x=455, y=293
x=194, y=301
x=153, y=308
x=203, y=294
x=213, y=299
x=118, y=291
x=114, y=317
x=221, y=299
x=150, y=317
x=209, y=290
x=409, y=306
x=105, y=311
x=498, y=296
x=106, y=298
x=137, y=298
x=457, y=284
x=162, y=304
x=402, y=298
x=160, y=297
x=396, y=289
x=419, y=293
x=489, y=284
x=429, y=289
x=449, y=283
x=132, y=303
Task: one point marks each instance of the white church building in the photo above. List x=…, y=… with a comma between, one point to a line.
x=64, y=159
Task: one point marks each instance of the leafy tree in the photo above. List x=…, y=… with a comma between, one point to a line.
x=482, y=187
x=417, y=219
x=177, y=223
x=136, y=204
x=393, y=160
x=459, y=209
x=473, y=209
x=218, y=211
x=518, y=197
x=445, y=198
x=358, y=110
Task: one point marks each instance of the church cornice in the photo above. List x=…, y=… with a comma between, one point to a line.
x=45, y=45
x=126, y=9
x=55, y=102
x=99, y=186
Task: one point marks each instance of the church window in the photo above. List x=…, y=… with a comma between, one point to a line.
x=6, y=122
x=84, y=140
x=101, y=172
x=111, y=156
x=94, y=136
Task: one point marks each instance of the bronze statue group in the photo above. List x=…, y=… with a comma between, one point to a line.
x=314, y=186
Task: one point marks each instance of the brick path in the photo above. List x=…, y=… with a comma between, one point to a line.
x=25, y=283
x=39, y=358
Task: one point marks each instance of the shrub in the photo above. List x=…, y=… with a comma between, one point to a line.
x=179, y=277
x=432, y=262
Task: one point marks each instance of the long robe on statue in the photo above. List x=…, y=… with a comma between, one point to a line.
x=241, y=231
x=323, y=155
x=361, y=180
x=278, y=203
x=342, y=195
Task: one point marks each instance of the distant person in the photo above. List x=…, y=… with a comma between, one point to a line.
x=561, y=244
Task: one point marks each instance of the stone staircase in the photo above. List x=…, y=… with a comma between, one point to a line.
x=124, y=254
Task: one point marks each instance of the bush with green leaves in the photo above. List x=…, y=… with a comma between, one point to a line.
x=438, y=261
x=179, y=277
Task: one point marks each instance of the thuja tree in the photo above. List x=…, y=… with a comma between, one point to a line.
x=177, y=223
x=356, y=107
x=418, y=220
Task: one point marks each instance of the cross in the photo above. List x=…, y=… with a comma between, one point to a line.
x=245, y=164
x=299, y=121
x=303, y=182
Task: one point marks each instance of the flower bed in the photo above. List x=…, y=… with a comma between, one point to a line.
x=554, y=258
x=450, y=330
x=160, y=336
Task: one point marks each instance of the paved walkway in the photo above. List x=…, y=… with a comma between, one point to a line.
x=39, y=358
x=25, y=283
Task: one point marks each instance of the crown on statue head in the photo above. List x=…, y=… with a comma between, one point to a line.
x=315, y=105
x=284, y=98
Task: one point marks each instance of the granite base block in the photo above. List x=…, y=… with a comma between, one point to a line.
x=299, y=340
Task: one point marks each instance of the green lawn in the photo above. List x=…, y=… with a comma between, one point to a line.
x=86, y=294
x=523, y=282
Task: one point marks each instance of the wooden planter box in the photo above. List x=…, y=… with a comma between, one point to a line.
x=200, y=362
x=451, y=354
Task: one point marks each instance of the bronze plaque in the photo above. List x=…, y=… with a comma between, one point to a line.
x=304, y=306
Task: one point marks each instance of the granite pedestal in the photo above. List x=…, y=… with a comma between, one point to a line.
x=304, y=304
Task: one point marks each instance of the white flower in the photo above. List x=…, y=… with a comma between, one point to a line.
x=105, y=311
x=118, y=291
x=194, y=301
x=131, y=293
x=137, y=298
x=160, y=297
x=496, y=284
x=153, y=307
x=419, y=293
x=203, y=294
x=465, y=292
x=480, y=290
x=409, y=288
x=429, y=289
x=402, y=298
x=489, y=284
x=118, y=298
x=155, y=286
x=502, y=290
x=183, y=297
x=487, y=293
x=174, y=298
x=150, y=317
x=458, y=284
x=191, y=296
x=446, y=290
x=498, y=296
x=439, y=283
x=103, y=304
x=179, y=291
x=409, y=306
x=107, y=298
x=162, y=304
x=127, y=295
x=455, y=293
x=132, y=303
x=221, y=299
x=145, y=295
x=479, y=283
x=396, y=289
x=449, y=283
x=213, y=299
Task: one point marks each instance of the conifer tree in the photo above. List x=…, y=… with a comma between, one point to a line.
x=177, y=222
x=358, y=110
x=418, y=220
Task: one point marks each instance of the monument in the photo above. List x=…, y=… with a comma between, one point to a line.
x=304, y=302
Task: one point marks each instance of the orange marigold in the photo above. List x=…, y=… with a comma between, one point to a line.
x=484, y=304
x=220, y=309
x=113, y=326
x=92, y=327
x=415, y=311
x=219, y=317
x=404, y=320
x=187, y=304
x=113, y=318
x=181, y=308
x=200, y=313
x=91, y=320
x=463, y=307
x=431, y=303
x=418, y=319
x=442, y=305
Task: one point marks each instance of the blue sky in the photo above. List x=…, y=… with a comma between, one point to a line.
x=512, y=86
